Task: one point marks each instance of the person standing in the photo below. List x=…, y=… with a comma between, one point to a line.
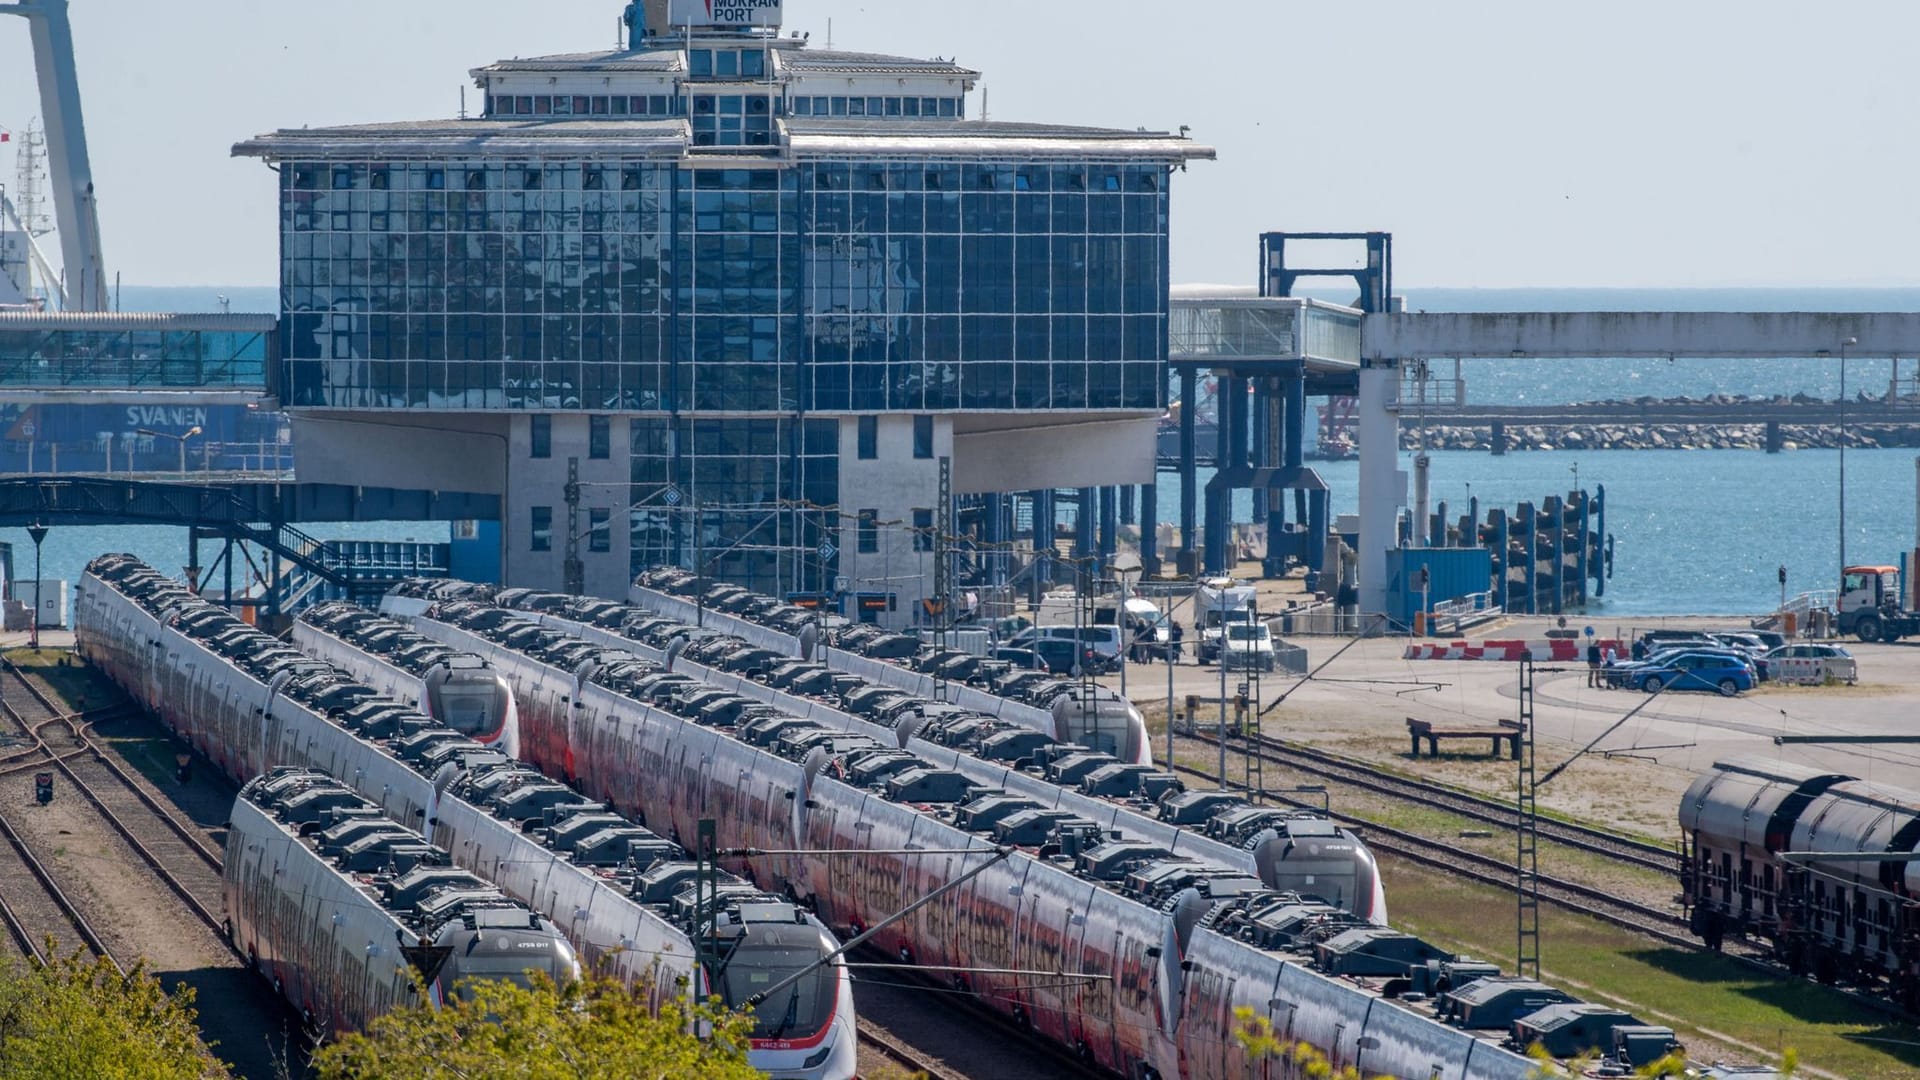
x=1593, y=663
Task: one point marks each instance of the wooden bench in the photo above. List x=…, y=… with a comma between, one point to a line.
x=1508, y=730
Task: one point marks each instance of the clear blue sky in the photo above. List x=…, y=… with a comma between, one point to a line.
x=1503, y=143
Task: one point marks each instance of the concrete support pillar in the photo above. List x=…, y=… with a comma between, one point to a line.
x=1189, y=479
x=1236, y=400
x=1317, y=505
x=1294, y=454
x=1600, y=532
x=1282, y=432
x=1230, y=452
x=1379, y=444
x=1109, y=522
x=1422, y=532
x=1265, y=421
x=993, y=536
x=1556, y=510
x=1149, y=524
x=1502, y=557
x=1127, y=515
x=1043, y=519
x=1442, y=534
x=1586, y=542
x=1219, y=511
x=1530, y=521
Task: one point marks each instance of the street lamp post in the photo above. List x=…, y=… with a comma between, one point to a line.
x=39, y=533
x=1844, y=343
x=1127, y=568
x=180, y=440
x=1167, y=617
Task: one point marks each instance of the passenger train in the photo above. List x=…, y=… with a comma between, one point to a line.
x=340, y=908
x=1149, y=947
x=1064, y=709
x=1837, y=915
x=457, y=690
x=1288, y=850
x=253, y=705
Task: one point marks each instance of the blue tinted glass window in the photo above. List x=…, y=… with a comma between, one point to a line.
x=923, y=436
x=700, y=63
x=540, y=536
x=753, y=63
x=726, y=63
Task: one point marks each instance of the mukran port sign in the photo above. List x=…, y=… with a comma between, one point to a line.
x=725, y=12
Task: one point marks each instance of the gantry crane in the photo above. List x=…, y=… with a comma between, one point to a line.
x=84, y=278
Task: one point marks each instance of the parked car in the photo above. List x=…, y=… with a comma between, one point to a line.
x=1723, y=672
x=1025, y=659
x=1104, y=640
x=1064, y=656
x=1744, y=640
x=1813, y=663
x=1654, y=641
x=1772, y=639
x=1762, y=669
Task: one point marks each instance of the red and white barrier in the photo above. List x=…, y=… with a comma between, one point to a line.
x=1559, y=650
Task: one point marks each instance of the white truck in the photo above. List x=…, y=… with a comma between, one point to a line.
x=1870, y=605
x=1218, y=603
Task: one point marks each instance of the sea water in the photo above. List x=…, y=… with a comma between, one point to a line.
x=1694, y=531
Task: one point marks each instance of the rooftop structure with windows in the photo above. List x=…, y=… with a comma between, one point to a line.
x=721, y=230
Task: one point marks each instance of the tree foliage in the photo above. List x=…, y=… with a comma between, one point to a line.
x=1255, y=1035
x=590, y=1029
x=77, y=1016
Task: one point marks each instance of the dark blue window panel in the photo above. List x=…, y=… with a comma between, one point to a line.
x=833, y=285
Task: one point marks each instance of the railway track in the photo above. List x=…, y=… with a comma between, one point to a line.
x=33, y=915
x=1427, y=851
x=173, y=851
x=877, y=1037
x=1479, y=808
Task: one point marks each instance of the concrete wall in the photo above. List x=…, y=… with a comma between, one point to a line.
x=535, y=482
x=893, y=485
x=1092, y=454
x=452, y=452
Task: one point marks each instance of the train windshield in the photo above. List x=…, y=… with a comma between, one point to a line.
x=1107, y=728
x=797, y=1011
x=471, y=703
x=1331, y=880
x=518, y=958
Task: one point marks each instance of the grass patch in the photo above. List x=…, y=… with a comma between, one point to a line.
x=66, y=678
x=1711, y=1001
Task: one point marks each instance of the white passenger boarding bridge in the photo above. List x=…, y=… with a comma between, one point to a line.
x=1388, y=341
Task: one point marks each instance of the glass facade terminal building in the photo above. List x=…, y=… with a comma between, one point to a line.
x=723, y=300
